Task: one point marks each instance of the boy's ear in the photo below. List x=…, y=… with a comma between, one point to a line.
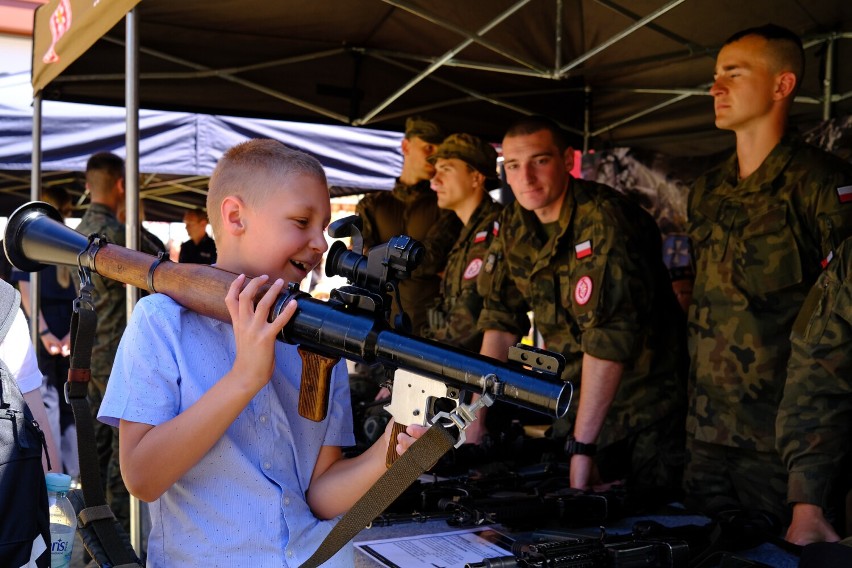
x=233, y=215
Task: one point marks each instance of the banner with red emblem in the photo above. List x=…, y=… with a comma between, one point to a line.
x=64, y=29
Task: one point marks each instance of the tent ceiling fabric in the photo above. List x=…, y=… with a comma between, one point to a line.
x=472, y=65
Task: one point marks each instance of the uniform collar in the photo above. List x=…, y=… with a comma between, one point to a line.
x=771, y=167
x=486, y=207
x=405, y=192
x=102, y=209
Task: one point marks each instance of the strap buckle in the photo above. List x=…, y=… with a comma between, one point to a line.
x=462, y=416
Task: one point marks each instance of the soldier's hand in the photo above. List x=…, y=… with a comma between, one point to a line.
x=383, y=393
x=809, y=525
x=583, y=472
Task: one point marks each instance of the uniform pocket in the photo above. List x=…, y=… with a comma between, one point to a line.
x=767, y=258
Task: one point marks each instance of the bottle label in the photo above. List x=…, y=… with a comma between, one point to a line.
x=62, y=539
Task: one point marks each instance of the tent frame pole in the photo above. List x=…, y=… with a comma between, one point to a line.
x=828, y=82
x=131, y=185
x=35, y=195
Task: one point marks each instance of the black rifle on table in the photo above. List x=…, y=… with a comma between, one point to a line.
x=629, y=551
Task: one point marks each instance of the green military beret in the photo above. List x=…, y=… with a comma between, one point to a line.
x=422, y=128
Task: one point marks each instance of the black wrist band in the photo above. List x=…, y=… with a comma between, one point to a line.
x=573, y=447
x=45, y=331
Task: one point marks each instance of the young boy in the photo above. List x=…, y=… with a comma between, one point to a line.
x=209, y=428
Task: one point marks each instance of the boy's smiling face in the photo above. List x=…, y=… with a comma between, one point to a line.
x=284, y=236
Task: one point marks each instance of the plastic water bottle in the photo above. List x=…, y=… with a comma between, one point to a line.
x=63, y=520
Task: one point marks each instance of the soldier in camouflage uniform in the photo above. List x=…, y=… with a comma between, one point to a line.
x=105, y=183
x=760, y=224
x=412, y=209
x=814, y=422
x=588, y=263
x=465, y=168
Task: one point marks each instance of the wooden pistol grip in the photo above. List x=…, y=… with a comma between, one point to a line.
x=392, y=456
x=316, y=382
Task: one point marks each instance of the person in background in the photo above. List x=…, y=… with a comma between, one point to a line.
x=57, y=293
x=18, y=355
x=200, y=248
x=105, y=184
x=587, y=262
x=465, y=169
x=814, y=423
x=762, y=224
x=412, y=209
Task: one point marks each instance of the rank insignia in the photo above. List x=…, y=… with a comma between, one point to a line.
x=489, y=263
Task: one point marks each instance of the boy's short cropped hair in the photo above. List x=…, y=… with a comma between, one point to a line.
x=245, y=170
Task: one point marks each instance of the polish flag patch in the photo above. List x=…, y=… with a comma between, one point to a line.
x=844, y=193
x=584, y=249
x=480, y=236
x=496, y=228
x=824, y=262
x=583, y=291
x=473, y=269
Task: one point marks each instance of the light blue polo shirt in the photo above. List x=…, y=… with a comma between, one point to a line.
x=244, y=503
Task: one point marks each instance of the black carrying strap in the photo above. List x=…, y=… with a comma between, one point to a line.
x=97, y=514
x=422, y=455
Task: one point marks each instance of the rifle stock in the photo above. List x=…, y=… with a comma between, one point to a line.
x=324, y=330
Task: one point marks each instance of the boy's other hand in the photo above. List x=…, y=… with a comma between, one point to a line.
x=254, y=335
x=405, y=439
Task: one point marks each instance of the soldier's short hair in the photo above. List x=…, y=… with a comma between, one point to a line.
x=533, y=124
x=103, y=170
x=246, y=169
x=788, y=54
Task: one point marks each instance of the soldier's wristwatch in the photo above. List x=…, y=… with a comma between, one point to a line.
x=572, y=447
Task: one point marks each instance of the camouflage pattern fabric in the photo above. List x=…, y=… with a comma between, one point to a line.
x=758, y=246
x=814, y=422
x=723, y=478
x=111, y=309
x=109, y=295
x=453, y=320
x=413, y=211
x=597, y=286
